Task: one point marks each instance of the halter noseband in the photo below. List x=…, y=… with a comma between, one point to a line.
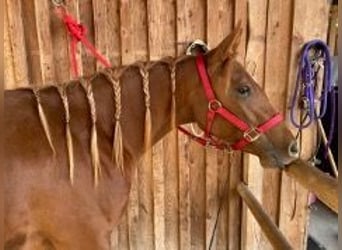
x=215, y=107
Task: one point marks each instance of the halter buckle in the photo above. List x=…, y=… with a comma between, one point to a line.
x=214, y=105
x=251, y=134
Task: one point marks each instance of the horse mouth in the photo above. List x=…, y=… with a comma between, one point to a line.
x=273, y=160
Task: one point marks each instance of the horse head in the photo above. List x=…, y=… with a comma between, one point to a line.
x=238, y=109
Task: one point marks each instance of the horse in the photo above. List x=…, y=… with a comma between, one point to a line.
x=71, y=150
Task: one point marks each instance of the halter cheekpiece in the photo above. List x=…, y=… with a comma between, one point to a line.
x=215, y=107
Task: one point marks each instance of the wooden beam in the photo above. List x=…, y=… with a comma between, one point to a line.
x=269, y=228
x=323, y=185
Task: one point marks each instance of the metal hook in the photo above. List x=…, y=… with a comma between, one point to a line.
x=58, y=3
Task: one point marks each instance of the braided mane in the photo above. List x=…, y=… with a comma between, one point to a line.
x=113, y=75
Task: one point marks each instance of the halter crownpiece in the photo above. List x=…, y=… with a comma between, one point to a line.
x=215, y=107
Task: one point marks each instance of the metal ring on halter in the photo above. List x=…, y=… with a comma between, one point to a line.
x=214, y=105
x=58, y=3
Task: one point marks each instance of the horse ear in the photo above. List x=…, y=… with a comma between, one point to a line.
x=227, y=49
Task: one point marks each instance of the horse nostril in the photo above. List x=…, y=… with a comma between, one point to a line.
x=293, y=149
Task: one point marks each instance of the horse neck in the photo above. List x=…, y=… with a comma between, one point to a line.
x=133, y=103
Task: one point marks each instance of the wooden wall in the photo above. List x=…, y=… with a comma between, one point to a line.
x=175, y=195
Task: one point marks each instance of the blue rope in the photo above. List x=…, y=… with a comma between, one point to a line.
x=306, y=86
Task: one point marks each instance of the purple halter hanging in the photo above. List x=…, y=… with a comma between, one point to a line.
x=306, y=86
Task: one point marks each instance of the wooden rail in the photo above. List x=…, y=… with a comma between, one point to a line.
x=272, y=232
x=324, y=186
x=321, y=184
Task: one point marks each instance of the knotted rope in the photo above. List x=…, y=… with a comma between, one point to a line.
x=117, y=153
x=78, y=32
x=94, y=150
x=62, y=93
x=43, y=120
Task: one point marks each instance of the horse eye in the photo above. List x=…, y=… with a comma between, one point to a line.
x=244, y=91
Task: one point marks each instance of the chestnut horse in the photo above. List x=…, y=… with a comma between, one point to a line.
x=59, y=140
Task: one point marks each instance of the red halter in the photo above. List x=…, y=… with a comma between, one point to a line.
x=215, y=107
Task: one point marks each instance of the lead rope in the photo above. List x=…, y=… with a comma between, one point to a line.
x=77, y=32
x=62, y=92
x=306, y=86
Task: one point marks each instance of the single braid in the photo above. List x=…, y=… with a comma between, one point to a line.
x=148, y=119
x=62, y=92
x=173, y=66
x=94, y=149
x=43, y=119
x=117, y=152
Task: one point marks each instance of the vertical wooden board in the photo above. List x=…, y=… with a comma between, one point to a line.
x=276, y=75
x=161, y=37
x=8, y=56
x=31, y=41
x=86, y=18
x=139, y=29
x=42, y=13
x=113, y=33
x=184, y=193
x=220, y=21
x=171, y=176
x=158, y=195
x=191, y=22
x=16, y=35
x=223, y=170
x=234, y=201
x=253, y=172
x=197, y=195
x=240, y=14
x=294, y=211
x=60, y=45
x=124, y=24
x=211, y=201
x=100, y=29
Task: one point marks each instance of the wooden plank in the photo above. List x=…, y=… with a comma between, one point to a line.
x=16, y=36
x=294, y=198
x=323, y=185
x=113, y=32
x=161, y=37
x=197, y=195
x=223, y=174
x=240, y=14
x=185, y=33
x=266, y=223
x=220, y=21
x=86, y=18
x=100, y=29
x=333, y=30
x=121, y=22
x=191, y=23
x=8, y=56
x=184, y=193
x=253, y=172
x=42, y=14
x=276, y=77
x=235, y=205
x=31, y=41
x=61, y=46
